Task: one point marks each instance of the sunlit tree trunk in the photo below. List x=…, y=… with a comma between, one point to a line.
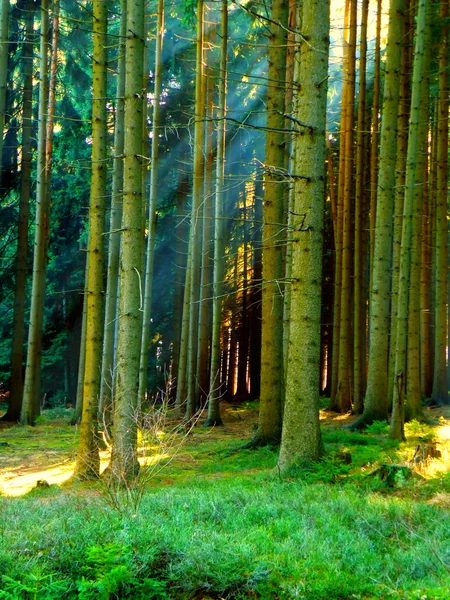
x=242, y=390
x=375, y=402
x=255, y=295
x=397, y=420
x=16, y=386
x=150, y=258
x=439, y=393
x=88, y=462
x=301, y=441
x=31, y=396
x=272, y=374
x=124, y=463
x=112, y=285
x=359, y=321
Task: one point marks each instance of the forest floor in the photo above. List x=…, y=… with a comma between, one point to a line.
x=208, y=519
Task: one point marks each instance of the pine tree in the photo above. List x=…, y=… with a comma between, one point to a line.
x=301, y=441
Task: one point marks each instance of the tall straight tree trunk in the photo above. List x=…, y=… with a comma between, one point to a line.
x=194, y=236
x=112, y=284
x=413, y=407
x=339, y=220
x=242, y=389
x=375, y=402
x=124, y=463
x=31, y=396
x=4, y=37
x=397, y=419
x=345, y=367
x=180, y=267
x=426, y=363
x=374, y=141
x=150, y=258
x=400, y=169
x=255, y=315
x=88, y=462
x=215, y=388
x=272, y=374
x=439, y=393
x=205, y=321
x=359, y=303
x=301, y=441
x=16, y=388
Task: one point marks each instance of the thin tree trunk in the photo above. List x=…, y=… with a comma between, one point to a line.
x=400, y=169
x=4, y=39
x=272, y=374
x=82, y=358
x=397, y=420
x=194, y=237
x=112, y=284
x=88, y=462
x=345, y=367
x=124, y=464
x=16, y=388
x=255, y=317
x=359, y=365
x=439, y=393
x=31, y=396
x=375, y=402
x=215, y=388
x=150, y=259
x=301, y=440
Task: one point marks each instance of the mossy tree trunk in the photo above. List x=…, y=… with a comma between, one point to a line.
x=272, y=374
x=301, y=440
x=88, y=461
x=124, y=464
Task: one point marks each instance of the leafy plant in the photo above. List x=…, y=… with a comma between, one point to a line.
x=34, y=587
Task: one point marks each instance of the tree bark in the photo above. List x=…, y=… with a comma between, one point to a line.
x=301, y=441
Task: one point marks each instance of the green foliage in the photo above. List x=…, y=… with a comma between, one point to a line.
x=34, y=587
x=110, y=570
x=378, y=427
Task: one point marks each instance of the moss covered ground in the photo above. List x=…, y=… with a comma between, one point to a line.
x=208, y=520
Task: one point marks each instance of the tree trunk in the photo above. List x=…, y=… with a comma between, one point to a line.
x=397, y=420
x=150, y=259
x=439, y=393
x=194, y=237
x=272, y=375
x=88, y=462
x=359, y=322
x=375, y=402
x=16, y=388
x=301, y=441
x=215, y=388
x=31, y=396
x=124, y=463
x=112, y=283
x=4, y=45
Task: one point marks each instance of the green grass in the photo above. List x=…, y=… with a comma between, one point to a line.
x=219, y=523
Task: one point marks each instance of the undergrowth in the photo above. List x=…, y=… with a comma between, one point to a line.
x=219, y=523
